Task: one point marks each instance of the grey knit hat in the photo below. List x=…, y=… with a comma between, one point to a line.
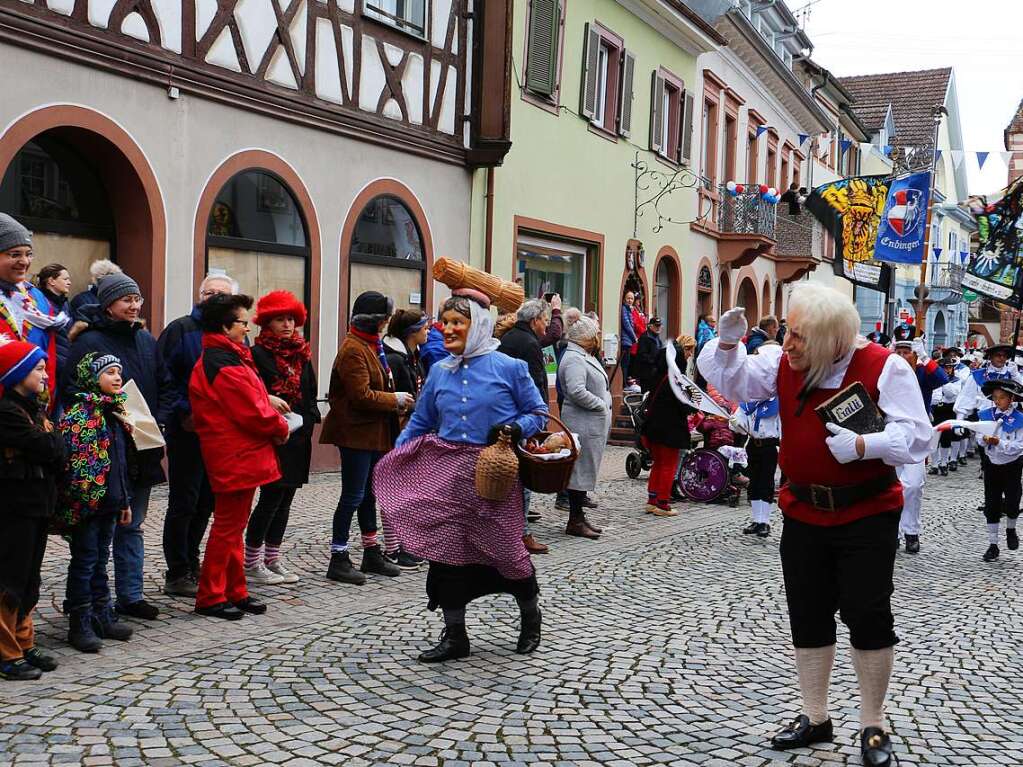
x=13, y=234
x=105, y=362
x=115, y=286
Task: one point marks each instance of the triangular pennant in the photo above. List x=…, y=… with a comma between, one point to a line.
x=963, y=255
x=937, y=155
x=761, y=130
x=1006, y=157
x=937, y=253
x=846, y=143
x=802, y=138
x=887, y=149
x=981, y=159
x=957, y=157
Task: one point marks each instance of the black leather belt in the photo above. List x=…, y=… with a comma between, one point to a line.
x=826, y=498
x=766, y=442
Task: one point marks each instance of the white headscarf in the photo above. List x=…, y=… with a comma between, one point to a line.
x=480, y=340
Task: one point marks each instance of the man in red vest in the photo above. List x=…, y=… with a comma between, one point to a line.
x=842, y=498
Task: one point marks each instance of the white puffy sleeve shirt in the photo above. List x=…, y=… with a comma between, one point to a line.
x=907, y=434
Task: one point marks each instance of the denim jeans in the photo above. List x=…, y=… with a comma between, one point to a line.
x=87, y=582
x=356, y=495
x=130, y=550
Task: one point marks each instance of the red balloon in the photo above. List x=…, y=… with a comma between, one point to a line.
x=739, y=188
x=764, y=188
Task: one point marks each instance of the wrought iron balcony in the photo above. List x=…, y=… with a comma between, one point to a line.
x=745, y=213
x=945, y=283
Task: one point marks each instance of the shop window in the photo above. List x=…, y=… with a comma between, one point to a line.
x=55, y=191
x=406, y=15
x=608, y=74
x=558, y=266
x=387, y=254
x=257, y=235
x=543, y=48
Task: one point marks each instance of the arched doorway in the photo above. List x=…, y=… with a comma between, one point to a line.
x=667, y=292
x=939, y=336
x=704, y=294
x=86, y=189
x=724, y=293
x=386, y=253
x=256, y=233
x=779, y=310
x=765, y=304
x=746, y=297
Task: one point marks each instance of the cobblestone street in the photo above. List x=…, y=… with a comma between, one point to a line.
x=665, y=643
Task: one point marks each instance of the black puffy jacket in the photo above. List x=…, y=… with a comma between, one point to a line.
x=31, y=458
x=521, y=343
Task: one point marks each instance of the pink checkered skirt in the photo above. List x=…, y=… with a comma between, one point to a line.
x=426, y=492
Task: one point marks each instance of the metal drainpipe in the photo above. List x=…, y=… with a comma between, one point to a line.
x=488, y=251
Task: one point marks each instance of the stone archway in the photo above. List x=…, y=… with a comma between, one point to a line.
x=139, y=220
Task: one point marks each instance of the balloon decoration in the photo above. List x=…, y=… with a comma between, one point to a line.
x=735, y=189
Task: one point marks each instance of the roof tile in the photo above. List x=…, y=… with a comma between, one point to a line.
x=912, y=96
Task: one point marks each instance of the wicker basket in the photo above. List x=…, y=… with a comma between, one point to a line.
x=549, y=476
x=496, y=469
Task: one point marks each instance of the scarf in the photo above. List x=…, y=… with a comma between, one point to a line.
x=87, y=436
x=480, y=340
x=374, y=340
x=290, y=355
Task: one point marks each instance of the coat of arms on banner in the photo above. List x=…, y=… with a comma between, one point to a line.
x=904, y=213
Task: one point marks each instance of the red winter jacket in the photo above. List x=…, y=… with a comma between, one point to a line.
x=233, y=417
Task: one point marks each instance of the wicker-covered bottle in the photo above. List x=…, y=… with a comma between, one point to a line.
x=497, y=468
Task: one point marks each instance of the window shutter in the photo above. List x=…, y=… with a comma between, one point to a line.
x=656, y=99
x=686, y=131
x=625, y=100
x=542, y=52
x=591, y=47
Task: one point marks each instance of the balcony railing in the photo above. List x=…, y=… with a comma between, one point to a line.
x=746, y=213
x=945, y=283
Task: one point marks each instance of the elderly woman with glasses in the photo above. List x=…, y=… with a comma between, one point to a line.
x=114, y=326
x=238, y=428
x=426, y=485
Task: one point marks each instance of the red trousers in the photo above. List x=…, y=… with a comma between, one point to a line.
x=223, y=567
x=662, y=473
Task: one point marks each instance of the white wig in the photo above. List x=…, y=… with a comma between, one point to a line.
x=828, y=323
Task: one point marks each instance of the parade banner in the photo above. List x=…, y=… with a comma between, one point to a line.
x=996, y=269
x=903, y=228
x=850, y=209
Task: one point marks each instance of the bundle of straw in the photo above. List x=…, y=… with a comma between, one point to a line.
x=505, y=295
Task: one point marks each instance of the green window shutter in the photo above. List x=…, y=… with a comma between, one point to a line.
x=686, y=131
x=628, y=67
x=542, y=53
x=656, y=106
x=588, y=97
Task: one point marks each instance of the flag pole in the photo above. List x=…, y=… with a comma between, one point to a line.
x=921, y=291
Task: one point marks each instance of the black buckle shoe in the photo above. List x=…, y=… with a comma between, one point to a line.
x=875, y=747
x=224, y=610
x=801, y=733
x=251, y=606
x=953, y=466
x=943, y=470
x=991, y=554
x=912, y=544
x=454, y=644
x=529, y=634
x=751, y=529
x=763, y=530
x=1011, y=538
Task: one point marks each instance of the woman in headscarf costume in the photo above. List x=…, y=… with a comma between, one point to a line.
x=426, y=486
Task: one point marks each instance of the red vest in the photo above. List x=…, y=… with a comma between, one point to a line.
x=805, y=457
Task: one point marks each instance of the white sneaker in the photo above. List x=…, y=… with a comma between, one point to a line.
x=278, y=568
x=260, y=576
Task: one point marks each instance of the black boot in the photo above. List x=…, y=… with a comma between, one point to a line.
x=1011, y=538
x=454, y=644
x=912, y=544
x=801, y=733
x=341, y=569
x=529, y=633
x=107, y=626
x=81, y=635
x=374, y=561
x=875, y=747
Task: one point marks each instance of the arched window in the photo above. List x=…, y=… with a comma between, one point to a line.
x=724, y=293
x=387, y=253
x=52, y=189
x=256, y=233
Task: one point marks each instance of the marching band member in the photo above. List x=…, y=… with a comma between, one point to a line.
x=1004, y=464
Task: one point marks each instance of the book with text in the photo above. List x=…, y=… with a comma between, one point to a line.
x=853, y=409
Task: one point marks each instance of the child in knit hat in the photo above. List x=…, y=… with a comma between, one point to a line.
x=31, y=456
x=96, y=497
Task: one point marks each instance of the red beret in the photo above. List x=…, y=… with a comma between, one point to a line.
x=277, y=303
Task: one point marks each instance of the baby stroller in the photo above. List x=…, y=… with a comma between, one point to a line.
x=703, y=475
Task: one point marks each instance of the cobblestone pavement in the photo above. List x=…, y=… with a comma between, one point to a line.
x=665, y=643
